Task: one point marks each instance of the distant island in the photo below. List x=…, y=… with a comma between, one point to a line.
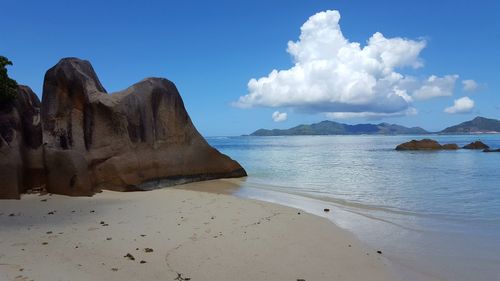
x=478, y=125
x=335, y=128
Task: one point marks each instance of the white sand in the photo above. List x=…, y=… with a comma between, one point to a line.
x=197, y=235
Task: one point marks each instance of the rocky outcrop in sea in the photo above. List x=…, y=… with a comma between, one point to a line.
x=425, y=144
x=429, y=144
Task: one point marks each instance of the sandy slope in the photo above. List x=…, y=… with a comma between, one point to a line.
x=196, y=235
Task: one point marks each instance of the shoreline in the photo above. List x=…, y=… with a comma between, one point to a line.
x=176, y=233
x=417, y=247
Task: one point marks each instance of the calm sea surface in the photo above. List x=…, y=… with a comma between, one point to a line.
x=434, y=214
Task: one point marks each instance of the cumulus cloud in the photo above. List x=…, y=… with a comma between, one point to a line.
x=279, y=116
x=469, y=85
x=435, y=87
x=333, y=75
x=461, y=105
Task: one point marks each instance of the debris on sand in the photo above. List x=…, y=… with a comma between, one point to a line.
x=129, y=256
x=148, y=250
x=180, y=278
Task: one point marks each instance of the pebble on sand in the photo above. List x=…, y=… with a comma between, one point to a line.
x=129, y=256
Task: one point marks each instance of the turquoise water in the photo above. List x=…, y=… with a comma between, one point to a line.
x=436, y=214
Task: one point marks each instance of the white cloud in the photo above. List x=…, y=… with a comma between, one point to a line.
x=332, y=74
x=469, y=85
x=435, y=87
x=279, y=116
x=461, y=105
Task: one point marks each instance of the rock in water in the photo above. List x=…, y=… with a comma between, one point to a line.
x=491, y=150
x=137, y=139
x=426, y=144
x=476, y=145
x=450, y=146
x=21, y=163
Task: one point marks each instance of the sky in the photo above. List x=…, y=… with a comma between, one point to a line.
x=245, y=65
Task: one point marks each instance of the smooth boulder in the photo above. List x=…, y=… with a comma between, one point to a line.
x=136, y=139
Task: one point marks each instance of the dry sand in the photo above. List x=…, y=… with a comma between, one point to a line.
x=190, y=235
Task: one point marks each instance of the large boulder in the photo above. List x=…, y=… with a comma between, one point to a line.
x=476, y=145
x=139, y=138
x=425, y=144
x=21, y=163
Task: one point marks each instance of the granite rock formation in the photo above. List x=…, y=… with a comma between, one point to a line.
x=136, y=139
x=425, y=144
x=476, y=145
x=21, y=161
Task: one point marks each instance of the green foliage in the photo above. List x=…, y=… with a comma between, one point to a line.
x=8, y=87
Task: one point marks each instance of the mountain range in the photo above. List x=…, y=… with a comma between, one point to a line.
x=477, y=125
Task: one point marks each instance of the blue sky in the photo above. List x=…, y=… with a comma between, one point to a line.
x=211, y=50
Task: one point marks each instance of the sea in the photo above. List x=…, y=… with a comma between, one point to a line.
x=434, y=215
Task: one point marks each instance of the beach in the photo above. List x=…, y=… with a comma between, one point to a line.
x=197, y=231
